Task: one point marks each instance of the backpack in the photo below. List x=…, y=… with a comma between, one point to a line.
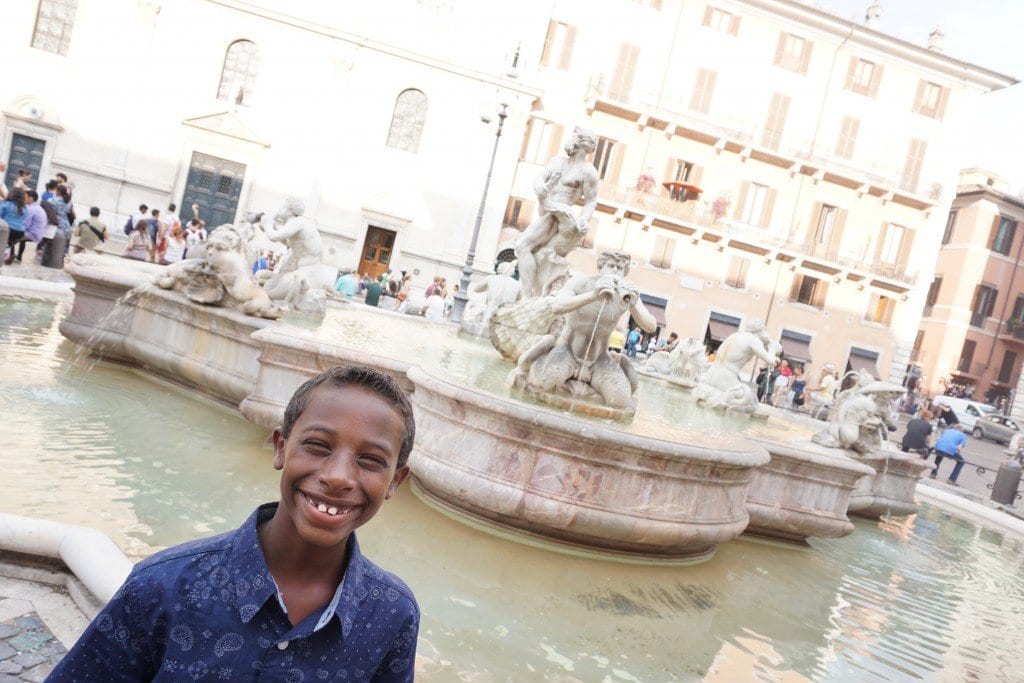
x=128, y=227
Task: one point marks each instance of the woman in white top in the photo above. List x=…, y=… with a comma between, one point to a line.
x=175, y=249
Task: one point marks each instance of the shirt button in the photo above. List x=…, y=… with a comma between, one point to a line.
x=283, y=645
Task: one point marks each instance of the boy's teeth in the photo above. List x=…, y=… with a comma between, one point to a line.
x=321, y=507
x=332, y=511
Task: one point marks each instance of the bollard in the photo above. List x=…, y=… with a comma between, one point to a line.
x=1004, y=490
x=55, y=250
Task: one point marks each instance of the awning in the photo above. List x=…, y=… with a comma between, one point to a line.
x=864, y=361
x=656, y=306
x=721, y=326
x=796, y=346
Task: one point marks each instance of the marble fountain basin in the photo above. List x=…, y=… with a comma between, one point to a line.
x=672, y=485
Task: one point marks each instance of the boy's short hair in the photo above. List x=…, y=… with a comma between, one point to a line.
x=361, y=376
x=94, y=212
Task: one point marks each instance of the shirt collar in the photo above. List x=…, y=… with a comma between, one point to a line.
x=255, y=585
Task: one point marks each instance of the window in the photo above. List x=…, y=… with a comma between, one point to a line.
x=915, y=354
x=54, y=22
x=824, y=229
x=543, y=141
x=933, y=292
x=518, y=213
x=605, y=158
x=625, y=68
x=407, y=121
x=682, y=171
x=1018, y=309
x=703, y=89
x=912, y=168
x=777, y=110
x=847, y=137
x=930, y=99
x=719, y=20
x=558, y=45
x=809, y=290
x=880, y=309
x=1001, y=240
x=664, y=250
x=890, y=244
x=984, y=303
x=237, y=78
x=966, y=355
x=863, y=77
x=793, y=53
x=1008, y=366
x=947, y=235
x=753, y=204
x=737, y=273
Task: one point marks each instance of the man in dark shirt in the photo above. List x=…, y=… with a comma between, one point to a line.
x=373, y=290
x=918, y=431
x=947, y=415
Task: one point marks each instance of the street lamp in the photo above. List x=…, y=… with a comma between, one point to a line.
x=462, y=296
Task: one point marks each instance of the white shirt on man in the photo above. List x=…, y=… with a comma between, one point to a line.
x=433, y=308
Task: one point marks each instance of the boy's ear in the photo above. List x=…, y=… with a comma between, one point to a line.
x=400, y=476
x=278, y=439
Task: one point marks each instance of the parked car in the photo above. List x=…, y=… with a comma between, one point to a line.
x=967, y=411
x=996, y=427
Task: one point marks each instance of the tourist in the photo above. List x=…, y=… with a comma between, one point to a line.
x=946, y=415
x=12, y=211
x=91, y=232
x=35, y=221
x=950, y=445
x=65, y=212
x=346, y=284
x=3, y=185
x=156, y=236
x=50, y=192
x=51, y=229
x=169, y=219
x=919, y=429
x=433, y=306
x=433, y=286
x=668, y=344
x=616, y=340
x=62, y=179
x=403, y=292
x=796, y=389
x=824, y=391
x=132, y=221
x=139, y=243
x=194, y=235
x=174, y=250
x=292, y=595
x=260, y=263
x=449, y=301
x=780, y=389
x=632, y=339
x=373, y=292
x=23, y=179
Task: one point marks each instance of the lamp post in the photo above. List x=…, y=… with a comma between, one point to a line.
x=462, y=296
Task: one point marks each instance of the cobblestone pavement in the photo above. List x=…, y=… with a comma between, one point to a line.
x=38, y=621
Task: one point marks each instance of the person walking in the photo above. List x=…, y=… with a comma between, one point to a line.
x=950, y=445
x=797, y=387
x=632, y=339
x=13, y=213
x=91, y=232
x=919, y=429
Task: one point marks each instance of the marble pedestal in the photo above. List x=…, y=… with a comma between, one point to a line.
x=891, y=490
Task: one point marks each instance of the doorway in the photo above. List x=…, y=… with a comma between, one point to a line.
x=214, y=185
x=26, y=152
x=377, y=249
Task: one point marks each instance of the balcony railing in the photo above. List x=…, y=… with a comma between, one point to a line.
x=971, y=369
x=1013, y=328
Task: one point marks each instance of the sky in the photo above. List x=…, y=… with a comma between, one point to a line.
x=982, y=32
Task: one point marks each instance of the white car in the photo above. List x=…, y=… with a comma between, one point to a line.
x=966, y=411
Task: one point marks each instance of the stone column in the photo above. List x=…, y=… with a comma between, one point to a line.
x=900, y=359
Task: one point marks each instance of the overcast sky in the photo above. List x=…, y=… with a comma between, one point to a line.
x=983, y=32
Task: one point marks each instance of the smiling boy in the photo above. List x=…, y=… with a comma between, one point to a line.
x=287, y=596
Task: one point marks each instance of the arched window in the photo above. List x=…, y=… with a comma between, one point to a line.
x=407, y=121
x=54, y=22
x=241, y=62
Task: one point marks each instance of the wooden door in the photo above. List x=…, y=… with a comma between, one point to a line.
x=377, y=250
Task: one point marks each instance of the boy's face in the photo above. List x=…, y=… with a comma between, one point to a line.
x=340, y=463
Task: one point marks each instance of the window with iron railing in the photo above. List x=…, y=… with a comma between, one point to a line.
x=1006, y=370
x=984, y=304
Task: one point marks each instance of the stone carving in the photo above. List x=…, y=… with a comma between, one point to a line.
x=684, y=364
x=501, y=289
x=860, y=420
x=577, y=364
x=222, y=277
x=722, y=385
x=556, y=231
x=302, y=271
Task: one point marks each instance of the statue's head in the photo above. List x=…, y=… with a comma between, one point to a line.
x=613, y=262
x=293, y=207
x=581, y=139
x=506, y=267
x=755, y=326
x=224, y=238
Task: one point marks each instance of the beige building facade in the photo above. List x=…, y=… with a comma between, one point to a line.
x=972, y=329
x=760, y=159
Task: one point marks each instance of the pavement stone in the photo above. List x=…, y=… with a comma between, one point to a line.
x=38, y=674
x=27, y=660
x=6, y=651
x=28, y=621
x=8, y=630
x=29, y=640
x=4, y=678
x=9, y=667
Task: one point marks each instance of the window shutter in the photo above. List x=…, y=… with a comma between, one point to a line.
x=904, y=252
x=851, y=72
x=567, y=46
x=545, y=56
x=734, y=24
x=625, y=69
x=847, y=137
x=766, y=210
x=530, y=124
x=707, y=15
x=670, y=170
x=741, y=200
x=555, y=146
x=618, y=153
x=876, y=78
x=695, y=175
x=820, y=293
x=527, y=209
x=509, y=211
x=994, y=231
x=794, y=291
x=700, y=101
x=812, y=229
x=940, y=109
x=919, y=97
x=780, y=48
x=805, y=58
x=880, y=239
x=837, y=232
x=912, y=169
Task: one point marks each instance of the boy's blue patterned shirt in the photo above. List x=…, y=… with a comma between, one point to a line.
x=210, y=610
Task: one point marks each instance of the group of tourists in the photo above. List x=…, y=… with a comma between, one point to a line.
x=394, y=292
x=160, y=237
x=28, y=216
x=919, y=438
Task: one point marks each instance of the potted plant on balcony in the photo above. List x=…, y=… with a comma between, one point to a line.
x=720, y=207
x=1015, y=326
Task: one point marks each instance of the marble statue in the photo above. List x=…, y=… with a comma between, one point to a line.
x=301, y=279
x=860, y=420
x=222, y=277
x=685, y=363
x=577, y=362
x=723, y=385
x=500, y=288
x=556, y=231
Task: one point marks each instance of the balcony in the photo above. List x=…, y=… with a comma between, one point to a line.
x=1012, y=328
x=969, y=370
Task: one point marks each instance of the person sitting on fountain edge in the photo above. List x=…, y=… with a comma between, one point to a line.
x=287, y=595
